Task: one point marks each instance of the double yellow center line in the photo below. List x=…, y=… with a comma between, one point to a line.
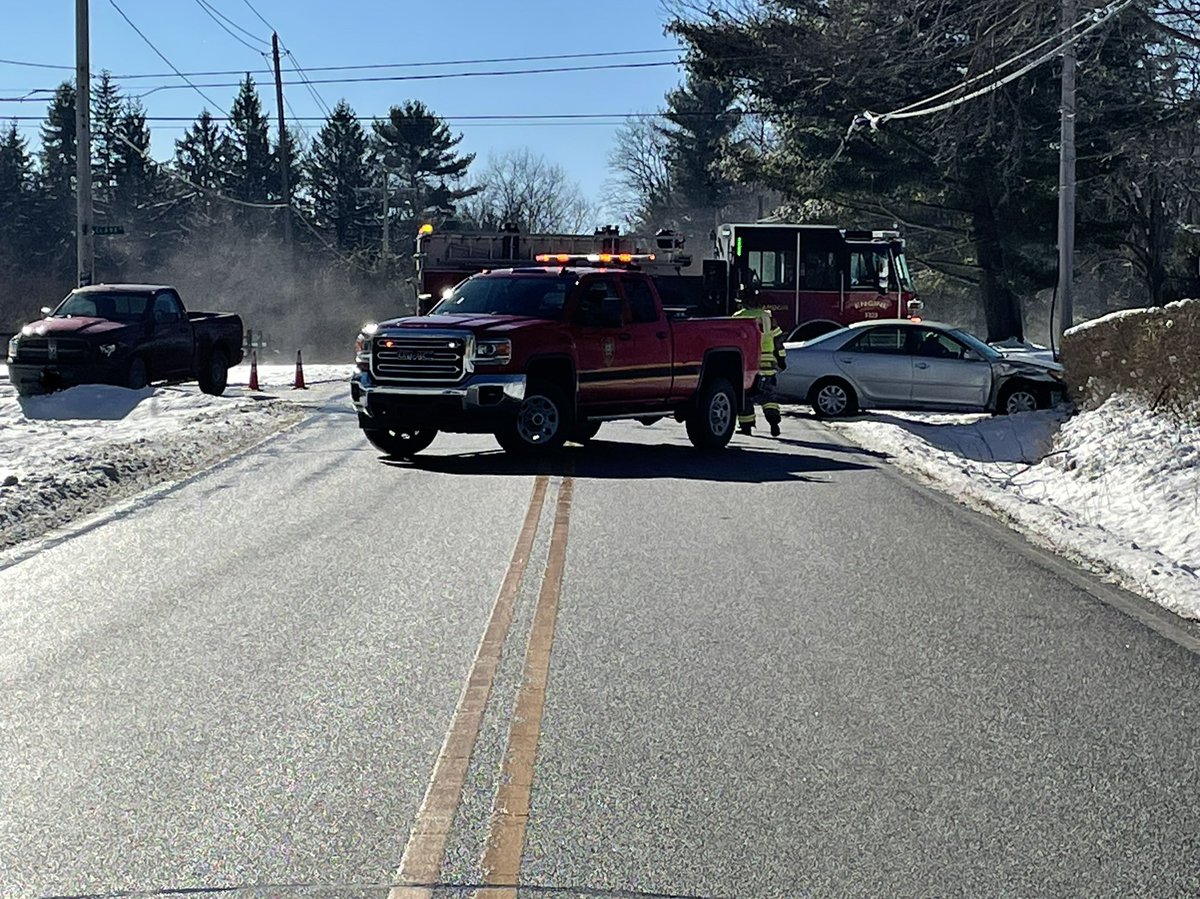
x=422, y=859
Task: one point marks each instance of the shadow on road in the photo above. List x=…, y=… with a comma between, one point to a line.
x=604, y=460
x=1025, y=438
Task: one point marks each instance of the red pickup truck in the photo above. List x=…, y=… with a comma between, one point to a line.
x=541, y=355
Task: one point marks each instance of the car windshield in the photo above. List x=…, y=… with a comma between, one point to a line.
x=532, y=296
x=118, y=307
x=976, y=344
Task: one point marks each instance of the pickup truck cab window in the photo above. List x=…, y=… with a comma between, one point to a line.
x=167, y=307
x=642, y=308
x=529, y=295
x=600, y=306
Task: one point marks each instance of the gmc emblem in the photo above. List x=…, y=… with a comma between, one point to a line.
x=413, y=356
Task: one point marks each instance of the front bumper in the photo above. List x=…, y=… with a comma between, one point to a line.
x=478, y=404
x=32, y=378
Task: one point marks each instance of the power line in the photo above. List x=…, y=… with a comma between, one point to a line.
x=212, y=14
x=160, y=55
x=367, y=66
x=260, y=16
x=249, y=34
x=921, y=107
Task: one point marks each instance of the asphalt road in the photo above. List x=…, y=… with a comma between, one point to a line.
x=777, y=671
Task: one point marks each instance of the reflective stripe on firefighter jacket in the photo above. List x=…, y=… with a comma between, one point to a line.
x=771, y=336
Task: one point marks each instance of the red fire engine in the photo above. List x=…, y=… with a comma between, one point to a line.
x=813, y=278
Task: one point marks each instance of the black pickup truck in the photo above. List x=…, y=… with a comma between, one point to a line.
x=124, y=334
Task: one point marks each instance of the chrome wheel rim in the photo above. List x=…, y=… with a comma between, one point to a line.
x=539, y=420
x=1020, y=401
x=832, y=399
x=720, y=413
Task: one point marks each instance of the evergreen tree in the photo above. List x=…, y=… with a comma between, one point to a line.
x=251, y=163
x=133, y=174
x=106, y=118
x=202, y=156
x=338, y=172
x=58, y=146
x=701, y=122
x=416, y=146
x=17, y=195
x=55, y=225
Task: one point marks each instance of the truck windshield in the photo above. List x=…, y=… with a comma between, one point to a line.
x=536, y=296
x=117, y=307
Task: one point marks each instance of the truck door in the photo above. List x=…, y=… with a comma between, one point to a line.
x=171, y=353
x=649, y=350
x=604, y=356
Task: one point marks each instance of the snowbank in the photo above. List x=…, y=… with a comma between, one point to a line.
x=71, y=453
x=1117, y=489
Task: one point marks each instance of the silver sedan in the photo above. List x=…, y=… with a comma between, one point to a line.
x=905, y=364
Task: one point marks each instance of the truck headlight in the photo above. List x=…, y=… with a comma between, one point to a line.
x=493, y=352
x=362, y=346
x=12, y=348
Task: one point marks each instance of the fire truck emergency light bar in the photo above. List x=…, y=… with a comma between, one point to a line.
x=603, y=258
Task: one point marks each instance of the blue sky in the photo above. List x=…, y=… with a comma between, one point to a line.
x=360, y=32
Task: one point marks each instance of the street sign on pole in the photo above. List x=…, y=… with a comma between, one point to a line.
x=105, y=230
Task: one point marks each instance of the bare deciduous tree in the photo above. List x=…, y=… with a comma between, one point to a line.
x=524, y=188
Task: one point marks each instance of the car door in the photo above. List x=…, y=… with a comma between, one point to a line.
x=946, y=372
x=878, y=364
x=604, y=357
x=649, y=348
x=172, y=353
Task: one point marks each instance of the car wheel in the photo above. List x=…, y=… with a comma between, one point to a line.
x=136, y=378
x=833, y=398
x=710, y=426
x=584, y=432
x=542, y=423
x=215, y=376
x=1020, y=397
x=400, y=443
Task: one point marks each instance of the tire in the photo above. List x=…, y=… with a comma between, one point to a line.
x=137, y=377
x=402, y=443
x=711, y=423
x=1020, y=397
x=833, y=398
x=215, y=375
x=585, y=431
x=543, y=422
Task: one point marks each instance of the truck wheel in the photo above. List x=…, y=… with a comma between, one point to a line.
x=214, y=377
x=542, y=422
x=137, y=377
x=585, y=431
x=710, y=426
x=401, y=443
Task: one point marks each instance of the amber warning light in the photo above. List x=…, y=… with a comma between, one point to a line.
x=602, y=258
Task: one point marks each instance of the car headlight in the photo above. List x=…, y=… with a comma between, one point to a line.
x=493, y=352
x=12, y=348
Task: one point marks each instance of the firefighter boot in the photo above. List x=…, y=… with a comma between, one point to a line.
x=772, y=414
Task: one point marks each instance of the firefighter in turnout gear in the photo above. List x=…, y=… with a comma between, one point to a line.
x=772, y=359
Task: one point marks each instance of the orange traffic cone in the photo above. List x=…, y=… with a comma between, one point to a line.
x=253, y=370
x=298, y=384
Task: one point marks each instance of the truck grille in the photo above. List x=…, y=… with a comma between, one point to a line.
x=423, y=358
x=51, y=350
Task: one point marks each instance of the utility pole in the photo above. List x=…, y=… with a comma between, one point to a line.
x=1066, y=180
x=84, y=240
x=386, y=191
x=283, y=149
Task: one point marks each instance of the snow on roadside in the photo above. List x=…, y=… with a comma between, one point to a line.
x=68, y=454
x=1116, y=489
